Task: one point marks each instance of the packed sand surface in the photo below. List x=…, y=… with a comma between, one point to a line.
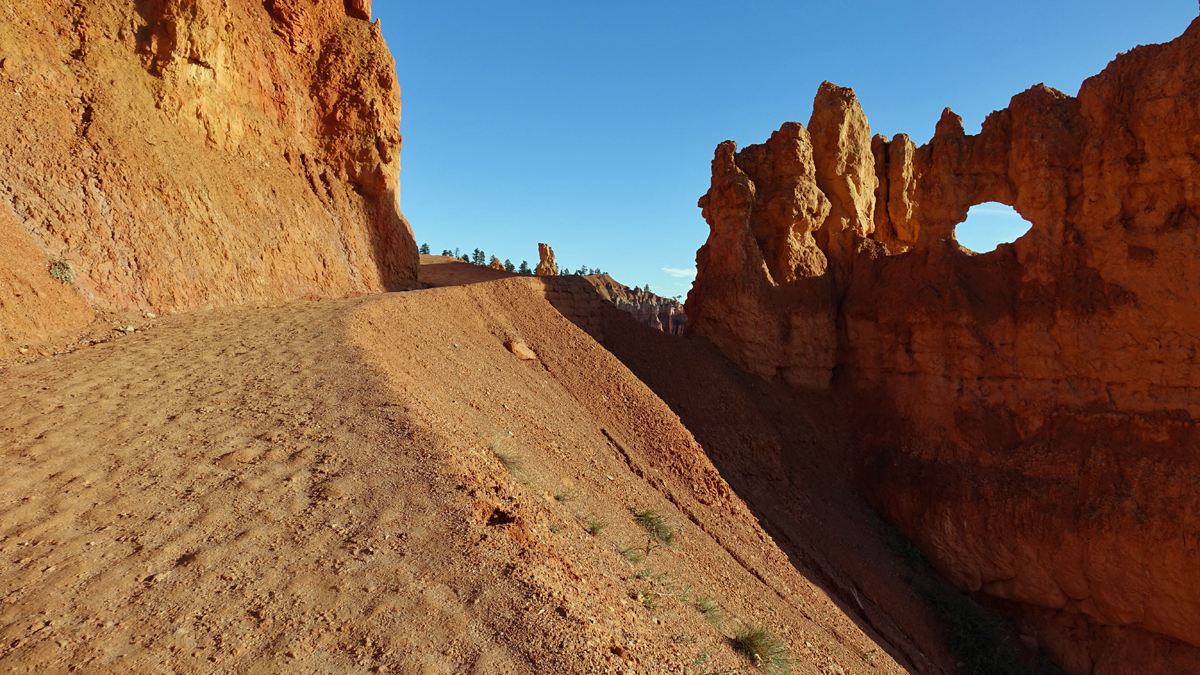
x=380, y=485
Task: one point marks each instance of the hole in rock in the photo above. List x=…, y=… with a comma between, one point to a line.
x=500, y=517
x=990, y=224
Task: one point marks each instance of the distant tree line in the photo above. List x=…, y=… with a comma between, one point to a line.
x=479, y=257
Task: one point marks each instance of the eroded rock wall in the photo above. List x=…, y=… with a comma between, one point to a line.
x=1028, y=416
x=187, y=153
x=652, y=310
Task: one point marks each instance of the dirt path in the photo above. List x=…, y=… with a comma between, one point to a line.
x=318, y=487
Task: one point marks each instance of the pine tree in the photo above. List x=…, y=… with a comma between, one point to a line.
x=524, y=268
x=447, y=252
x=479, y=257
x=508, y=266
x=425, y=249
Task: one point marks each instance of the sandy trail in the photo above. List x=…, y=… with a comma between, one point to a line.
x=315, y=487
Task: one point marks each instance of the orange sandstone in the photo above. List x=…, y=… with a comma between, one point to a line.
x=1029, y=415
x=546, y=265
x=188, y=153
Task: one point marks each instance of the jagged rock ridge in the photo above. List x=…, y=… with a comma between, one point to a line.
x=192, y=153
x=1028, y=416
x=653, y=310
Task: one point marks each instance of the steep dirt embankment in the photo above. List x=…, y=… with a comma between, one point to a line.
x=1029, y=414
x=381, y=485
x=191, y=153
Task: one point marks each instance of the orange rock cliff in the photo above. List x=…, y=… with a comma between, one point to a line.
x=186, y=153
x=1027, y=416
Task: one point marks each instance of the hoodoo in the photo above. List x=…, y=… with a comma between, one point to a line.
x=1029, y=415
x=177, y=154
x=547, y=267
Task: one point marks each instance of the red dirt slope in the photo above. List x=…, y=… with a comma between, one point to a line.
x=318, y=487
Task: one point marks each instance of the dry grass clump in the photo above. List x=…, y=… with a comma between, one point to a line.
x=631, y=553
x=708, y=608
x=594, y=526
x=657, y=526
x=509, y=459
x=767, y=652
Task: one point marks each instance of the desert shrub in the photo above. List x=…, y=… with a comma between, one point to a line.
x=649, y=599
x=60, y=269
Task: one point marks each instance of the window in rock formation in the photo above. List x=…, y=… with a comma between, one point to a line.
x=988, y=225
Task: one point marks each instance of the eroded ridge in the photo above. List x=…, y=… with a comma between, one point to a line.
x=1026, y=415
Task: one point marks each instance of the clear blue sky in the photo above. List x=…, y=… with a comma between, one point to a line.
x=590, y=126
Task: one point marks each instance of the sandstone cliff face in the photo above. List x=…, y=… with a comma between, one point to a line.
x=187, y=153
x=652, y=310
x=1030, y=413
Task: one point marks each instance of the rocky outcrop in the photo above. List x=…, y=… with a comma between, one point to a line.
x=764, y=291
x=189, y=153
x=655, y=311
x=496, y=264
x=1028, y=416
x=546, y=265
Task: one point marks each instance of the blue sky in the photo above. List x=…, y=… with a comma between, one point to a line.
x=590, y=126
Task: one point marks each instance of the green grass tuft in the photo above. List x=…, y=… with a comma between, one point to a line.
x=649, y=600
x=709, y=608
x=767, y=652
x=657, y=526
x=595, y=526
x=511, y=461
x=631, y=553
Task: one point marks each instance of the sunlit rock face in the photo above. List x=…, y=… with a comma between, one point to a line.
x=1028, y=415
x=547, y=266
x=188, y=153
x=652, y=310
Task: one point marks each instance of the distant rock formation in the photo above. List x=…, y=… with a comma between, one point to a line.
x=546, y=265
x=1028, y=416
x=191, y=153
x=657, y=312
x=496, y=264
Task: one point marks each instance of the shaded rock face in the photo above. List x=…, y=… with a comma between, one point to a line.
x=546, y=265
x=187, y=153
x=652, y=310
x=1027, y=416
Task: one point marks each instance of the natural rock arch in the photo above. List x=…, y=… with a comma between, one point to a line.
x=1026, y=416
x=989, y=225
